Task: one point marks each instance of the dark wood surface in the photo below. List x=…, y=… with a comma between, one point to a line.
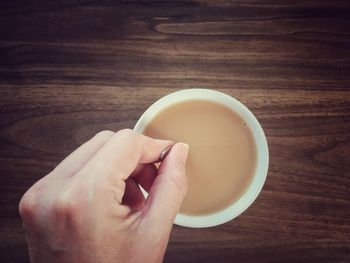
x=69, y=69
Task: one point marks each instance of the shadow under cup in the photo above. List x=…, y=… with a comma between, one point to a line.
x=247, y=198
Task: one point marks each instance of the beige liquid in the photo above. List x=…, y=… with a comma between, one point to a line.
x=222, y=157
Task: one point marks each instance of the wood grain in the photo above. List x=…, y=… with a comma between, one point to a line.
x=69, y=69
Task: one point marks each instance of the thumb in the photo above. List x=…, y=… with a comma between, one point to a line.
x=168, y=189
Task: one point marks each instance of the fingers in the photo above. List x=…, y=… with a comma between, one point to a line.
x=169, y=188
x=77, y=159
x=133, y=196
x=118, y=158
x=145, y=174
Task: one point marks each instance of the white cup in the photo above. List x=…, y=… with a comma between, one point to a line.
x=238, y=207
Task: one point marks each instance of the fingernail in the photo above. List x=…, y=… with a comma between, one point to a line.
x=184, y=148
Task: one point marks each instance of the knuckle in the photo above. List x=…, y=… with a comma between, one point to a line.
x=125, y=132
x=105, y=134
x=130, y=137
x=63, y=206
x=66, y=202
x=30, y=201
x=28, y=205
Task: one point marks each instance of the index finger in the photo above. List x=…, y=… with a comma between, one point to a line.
x=119, y=157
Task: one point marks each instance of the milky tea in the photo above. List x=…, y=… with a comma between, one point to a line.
x=222, y=157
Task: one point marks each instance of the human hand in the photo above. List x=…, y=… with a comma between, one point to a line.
x=90, y=207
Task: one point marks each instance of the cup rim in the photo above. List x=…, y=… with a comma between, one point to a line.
x=239, y=206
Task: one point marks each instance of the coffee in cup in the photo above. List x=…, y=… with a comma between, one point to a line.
x=222, y=157
x=228, y=154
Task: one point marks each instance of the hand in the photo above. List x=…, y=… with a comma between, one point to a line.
x=90, y=207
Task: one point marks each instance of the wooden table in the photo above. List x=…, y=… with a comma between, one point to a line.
x=69, y=69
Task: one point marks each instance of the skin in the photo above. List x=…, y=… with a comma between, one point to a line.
x=90, y=207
